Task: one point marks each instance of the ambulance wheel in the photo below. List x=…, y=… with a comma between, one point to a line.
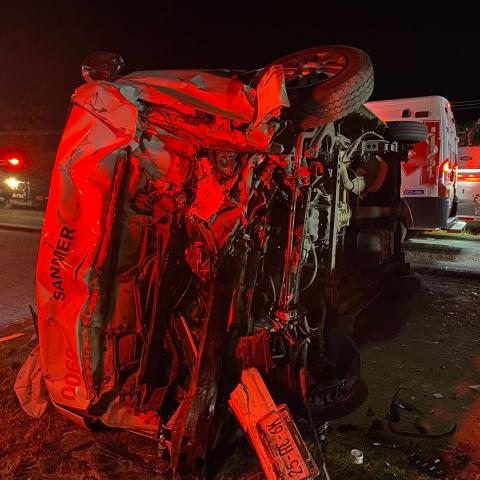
x=411, y=234
x=407, y=233
x=406, y=132
x=324, y=84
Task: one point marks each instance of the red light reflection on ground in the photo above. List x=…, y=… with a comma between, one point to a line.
x=466, y=439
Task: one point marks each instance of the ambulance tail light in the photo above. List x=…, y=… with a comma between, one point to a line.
x=472, y=175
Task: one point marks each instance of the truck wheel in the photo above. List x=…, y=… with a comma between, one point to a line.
x=407, y=233
x=325, y=84
x=454, y=209
x=406, y=132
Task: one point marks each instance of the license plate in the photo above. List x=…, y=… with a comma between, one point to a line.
x=286, y=446
x=39, y=197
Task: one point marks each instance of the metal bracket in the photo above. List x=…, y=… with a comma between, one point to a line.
x=377, y=146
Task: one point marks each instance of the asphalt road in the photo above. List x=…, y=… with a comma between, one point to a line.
x=22, y=217
x=18, y=256
x=445, y=252
x=18, y=252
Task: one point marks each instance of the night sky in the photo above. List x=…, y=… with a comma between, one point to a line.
x=42, y=45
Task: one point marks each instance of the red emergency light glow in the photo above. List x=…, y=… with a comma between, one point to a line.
x=14, y=162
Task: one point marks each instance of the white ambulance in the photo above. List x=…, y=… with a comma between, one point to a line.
x=429, y=177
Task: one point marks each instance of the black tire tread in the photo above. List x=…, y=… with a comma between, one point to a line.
x=407, y=131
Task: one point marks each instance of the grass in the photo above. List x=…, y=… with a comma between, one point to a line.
x=471, y=232
x=52, y=447
x=22, y=441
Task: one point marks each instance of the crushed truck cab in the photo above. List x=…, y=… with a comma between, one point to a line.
x=204, y=234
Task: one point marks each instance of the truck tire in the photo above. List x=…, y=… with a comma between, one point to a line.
x=341, y=82
x=406, y=132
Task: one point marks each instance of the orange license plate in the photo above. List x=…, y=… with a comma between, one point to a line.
x=288, y=451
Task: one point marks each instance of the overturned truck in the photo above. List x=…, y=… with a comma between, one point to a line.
x=203, y=234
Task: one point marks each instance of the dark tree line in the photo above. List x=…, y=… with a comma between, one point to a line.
x=469, y=133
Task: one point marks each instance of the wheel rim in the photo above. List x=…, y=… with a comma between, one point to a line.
x=312, y=69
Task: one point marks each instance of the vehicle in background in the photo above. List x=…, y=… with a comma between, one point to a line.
x=19, y=188
x=429, y=176
x=468, y=187
x=9, y=166
x=26, y=192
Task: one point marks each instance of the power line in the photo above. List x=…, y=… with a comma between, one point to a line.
x=472, y=107
x=30, y=132
x=464, y=102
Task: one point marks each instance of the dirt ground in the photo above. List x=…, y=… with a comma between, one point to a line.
x=428, y=343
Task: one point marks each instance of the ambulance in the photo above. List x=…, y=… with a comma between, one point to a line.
x=429, y=176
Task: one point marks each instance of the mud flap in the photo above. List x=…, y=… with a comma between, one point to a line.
x=271, y=431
